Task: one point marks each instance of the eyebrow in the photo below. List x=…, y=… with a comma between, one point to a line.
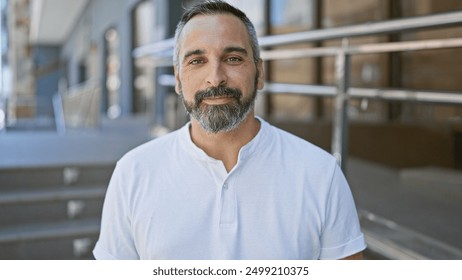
x=193, y=52
x=236, y=49
x=230, y=49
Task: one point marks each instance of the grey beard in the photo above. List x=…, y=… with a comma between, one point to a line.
x=220, y=118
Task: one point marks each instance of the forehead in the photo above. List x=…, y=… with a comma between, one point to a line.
x=207, y=31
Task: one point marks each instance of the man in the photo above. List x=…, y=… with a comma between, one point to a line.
x=227, y=185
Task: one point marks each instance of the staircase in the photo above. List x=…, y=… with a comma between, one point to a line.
x=52, y=187
x=52, y=212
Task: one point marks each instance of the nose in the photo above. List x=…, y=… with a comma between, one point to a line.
x=216, y=75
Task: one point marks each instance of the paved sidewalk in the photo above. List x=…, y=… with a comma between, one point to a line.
x=103, y=145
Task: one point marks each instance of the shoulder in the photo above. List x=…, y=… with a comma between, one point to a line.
x=299, y=157
x=296, y=146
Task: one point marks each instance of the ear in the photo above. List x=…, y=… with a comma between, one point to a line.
x=177, y=80
x=261, y=74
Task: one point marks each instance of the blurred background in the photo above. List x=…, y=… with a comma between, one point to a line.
x=378, y=83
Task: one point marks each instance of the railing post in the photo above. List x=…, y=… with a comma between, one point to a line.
x=340, y=120
x=160, y=119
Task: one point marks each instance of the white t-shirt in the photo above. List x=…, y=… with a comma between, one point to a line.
x=284, y=199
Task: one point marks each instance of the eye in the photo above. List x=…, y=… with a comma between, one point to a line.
x=234, y=59
x=195, y=61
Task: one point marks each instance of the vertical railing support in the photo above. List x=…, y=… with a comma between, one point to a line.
x=340, y=121
x=159, y=126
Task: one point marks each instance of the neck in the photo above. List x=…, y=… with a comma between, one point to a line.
x=225, y=146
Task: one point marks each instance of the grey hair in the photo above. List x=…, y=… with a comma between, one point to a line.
x=213, y=8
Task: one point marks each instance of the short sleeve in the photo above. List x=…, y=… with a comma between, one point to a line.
x=116, y=239
x=341, y=235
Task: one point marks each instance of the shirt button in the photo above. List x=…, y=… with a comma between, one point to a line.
x=225, y=186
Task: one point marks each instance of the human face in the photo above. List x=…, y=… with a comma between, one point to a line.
x=216, y=75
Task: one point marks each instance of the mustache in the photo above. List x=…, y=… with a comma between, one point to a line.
x=220, y=91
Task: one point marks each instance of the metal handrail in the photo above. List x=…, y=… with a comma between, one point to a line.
x=407, y=95
x=372, y=28
x=384, y=94
x=332, y=51
x=362, y=49
x=440, y=97
x=162, y=53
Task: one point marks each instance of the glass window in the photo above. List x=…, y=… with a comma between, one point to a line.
x=436, y=70
x=112, y=65
x=4, y=69
x=367, y=71
x=143, y=73
x=291, y=15
x=255, y=12
x=253, y=9
x=287, y=16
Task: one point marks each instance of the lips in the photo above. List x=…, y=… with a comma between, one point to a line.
x=217, y=95
x=218, y=100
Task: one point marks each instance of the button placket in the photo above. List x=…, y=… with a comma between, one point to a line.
x=228, y=205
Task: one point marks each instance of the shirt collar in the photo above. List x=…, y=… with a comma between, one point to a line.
x=247, y=150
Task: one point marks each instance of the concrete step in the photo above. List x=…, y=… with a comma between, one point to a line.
x=48, y=205
x=31, y=178
x=55, y=194
x=58, y=240
x=41, y=231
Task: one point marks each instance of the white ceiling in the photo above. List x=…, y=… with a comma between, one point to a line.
x=53, y=20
